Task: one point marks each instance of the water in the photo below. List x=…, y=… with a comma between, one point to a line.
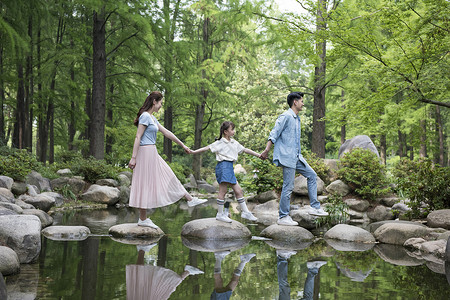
x=96, y=268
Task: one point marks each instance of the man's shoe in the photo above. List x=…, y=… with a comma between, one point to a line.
x=287, y=221
x=315, y=264
x=147, y=223
x=248, y=215
x=247, y=257
x=221, y=254
x=193, y=270
x=145, y=248
x=286, y=254
x=196, y=201
x=317, y=212
x=223, y=218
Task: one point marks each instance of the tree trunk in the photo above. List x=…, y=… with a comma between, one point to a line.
x=343, y=129
x=199, y=115
x=109, y=117
x=71, y=126
x=97, y=132
x=39, y=90
x=318, y=133
x=423, y=139
x=440, y=135
x=383, y=148
x=2, y=101
x=168, y=123
x=401, y=144
x=19, y=124
x=28, y=111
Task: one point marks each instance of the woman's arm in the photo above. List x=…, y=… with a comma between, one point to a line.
x=200, y=150
x=251, y=152
x=137, y=141
x=168, y=134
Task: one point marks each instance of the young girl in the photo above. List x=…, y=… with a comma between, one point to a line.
x=153, y=184
x=227, y=150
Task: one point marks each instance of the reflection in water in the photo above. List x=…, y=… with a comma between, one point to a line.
x=146, y=281
x=282, y=271
x=2, y=287
x=224, y=292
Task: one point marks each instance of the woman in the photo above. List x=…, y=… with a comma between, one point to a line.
x=154, y=184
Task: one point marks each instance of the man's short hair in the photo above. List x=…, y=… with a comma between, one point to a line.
x=293, y=96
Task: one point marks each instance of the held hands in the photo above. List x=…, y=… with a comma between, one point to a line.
x=187, y=149
x=264, y=154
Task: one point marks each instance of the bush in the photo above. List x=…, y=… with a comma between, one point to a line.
x=17, y=163
x=361, y=169
x=318, y=165
x=423, y=183
x=337, y=212
x=266, y=177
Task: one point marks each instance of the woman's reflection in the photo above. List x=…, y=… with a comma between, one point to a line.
x=224, y=292
x=152, y=282
x=282, y=271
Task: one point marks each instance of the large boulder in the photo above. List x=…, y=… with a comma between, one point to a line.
x=349, y=233
x=101, y=194
x=375, y=225
x=9, y=261
x=294, y=236
x=212, y=229
x=42, y=201
x=66, y=233
x=75, y=184
x=36, y=179
x=264, y=197
x=301, y=186
x=338, y=187
x=396, y=255
x=358, y=205
x=359, y=141
x=6, y=182
x=267, y=213
x=439, y=218
x=107, y=182
x=397, y=233
x=45, y=218
x=380, y=213
x=21, y=233
x=124, y=180
x=135, y=234
x=11, y=206
x=303, y=218
x=19, y=188
x=6, y=195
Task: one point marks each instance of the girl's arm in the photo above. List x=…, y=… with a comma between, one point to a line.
x=137, y=141
x=200, y=150
x=168, y=134
x=251, y=152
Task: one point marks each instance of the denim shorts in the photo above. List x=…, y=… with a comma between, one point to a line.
x=225, y=172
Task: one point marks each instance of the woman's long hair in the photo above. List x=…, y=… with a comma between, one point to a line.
x=148, y=103
x=225, y=125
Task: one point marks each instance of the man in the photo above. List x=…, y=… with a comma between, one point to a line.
x=287, y=154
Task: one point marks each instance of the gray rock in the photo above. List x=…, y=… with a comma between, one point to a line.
x=123, y=180
x=398, y=233
x=207, y=187
x=212, y=229
x=24, y=205
x=239, y=169
x=402, y=208
x=436, y=248
x=64, y=173
x=439, y=218
x=349, y=246
x=45, y=218
x=288, y=245
x=6, y=182
x=41, y=201
x=358, y=205
x=19, y=188
x=24, y=286
x=6, y=195
x=128, y=174
x=349, y=233
x=101, y=194
x=388, y=201
x=107, y=182
x=32, y=190
x=380, y=213
x=338, y=187
x=332, y=164
x=131, y=231
x=3, y=294
x=21, y=233
x=358, y=276
x=396, y=255
x=303, y=218
x=301, y=186
x=143, y=242
x=75, y=184
x=59, y=199
x=9, y=261
x=359, y=141
x=6, y=212
x=374, y=226
x=43, y=184
x=353, y=214
x=264, y=197
x=66, y=233
x=447, y=251
x=205, y=245
x=14, y=207
x=289, y=234
x=267, y=213
x=124, y=194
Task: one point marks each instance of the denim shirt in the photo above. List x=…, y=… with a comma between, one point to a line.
x=285, y=135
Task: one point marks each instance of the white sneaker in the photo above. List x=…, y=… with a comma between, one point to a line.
x=287, y=221
x=248, y=215
x=221, y=254
x=286, y=254
x=223, y=218
x=247, y=257
x=193, y=270
x=317, y=212
x=315, y=264
x=145, y=248
x=147, y=223
x=195, y=201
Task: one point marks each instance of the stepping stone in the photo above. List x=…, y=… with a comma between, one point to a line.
x=204, y=245
x=211, y=229
x=66, y=233
x=131, y=233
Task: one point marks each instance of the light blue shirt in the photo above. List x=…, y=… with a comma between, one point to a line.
x=285, y=135
x=151, y=124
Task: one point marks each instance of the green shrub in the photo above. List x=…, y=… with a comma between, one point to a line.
x=337, y=212
x=422, y=182
x=17, y=163
x=362, y=170
x=93, y=169
x=318, y=165
x=266, y=177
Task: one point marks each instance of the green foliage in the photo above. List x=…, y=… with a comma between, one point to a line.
x=362, y=170
x=318, y=165
x=66, y=192
x=266, y=177
x=423, y=183
x=16, y=163
x=337, y=210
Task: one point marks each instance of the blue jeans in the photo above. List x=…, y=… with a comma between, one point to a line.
x=283, y=284
x=308, y=292
x=288, y=185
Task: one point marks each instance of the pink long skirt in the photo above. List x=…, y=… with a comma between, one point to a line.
x=154, y=184
x=147, y=282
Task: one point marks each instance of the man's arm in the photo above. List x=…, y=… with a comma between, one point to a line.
x=265, y=153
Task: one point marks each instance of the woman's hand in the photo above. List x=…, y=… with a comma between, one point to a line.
x=132, y=163
x=187, y=149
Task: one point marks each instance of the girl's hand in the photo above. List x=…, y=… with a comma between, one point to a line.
x=132, y=163
x=187, y=149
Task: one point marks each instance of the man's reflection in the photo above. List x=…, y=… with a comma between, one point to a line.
x=224, y=292
x=282, y=271
x=152, y=282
